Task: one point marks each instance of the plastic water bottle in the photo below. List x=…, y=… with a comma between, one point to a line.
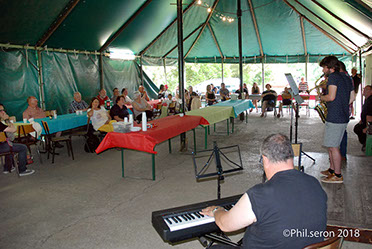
x=144, y=121
x=131, y=120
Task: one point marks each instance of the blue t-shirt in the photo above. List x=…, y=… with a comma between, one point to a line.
x=338, y=109
x=290, y=201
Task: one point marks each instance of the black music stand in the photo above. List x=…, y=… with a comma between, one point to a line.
x=299, y=100
x=216, y=152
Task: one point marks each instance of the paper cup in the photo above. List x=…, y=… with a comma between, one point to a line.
x=31, y=120
x=181, y=115
x=25, y=120
x=126, y=120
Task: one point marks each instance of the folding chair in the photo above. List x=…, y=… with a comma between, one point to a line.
x=11, y=153
x=24, y=137
x=332, y=243
x=297, y=151
x=51, y=142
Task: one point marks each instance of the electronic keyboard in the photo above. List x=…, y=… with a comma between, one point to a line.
x=186, y=222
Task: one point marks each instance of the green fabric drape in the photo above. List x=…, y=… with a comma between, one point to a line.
x=18, y=80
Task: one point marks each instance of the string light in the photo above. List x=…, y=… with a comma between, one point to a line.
x=220, y=15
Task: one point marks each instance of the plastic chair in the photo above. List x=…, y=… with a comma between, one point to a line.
x=271, y=106
x=11, y=153
x=332, y=243
x=24, y=137
x=164, y=112
x=51, y=142
x=297, y=149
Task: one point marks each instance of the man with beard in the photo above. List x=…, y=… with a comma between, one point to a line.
x=340, y=95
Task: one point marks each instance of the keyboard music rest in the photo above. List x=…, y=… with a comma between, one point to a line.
x=182, y=215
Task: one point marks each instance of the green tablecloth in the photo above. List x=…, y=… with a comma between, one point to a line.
x=213, y=114
x=238, y=106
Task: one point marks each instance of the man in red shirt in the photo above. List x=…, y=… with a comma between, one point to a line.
x=102, y=97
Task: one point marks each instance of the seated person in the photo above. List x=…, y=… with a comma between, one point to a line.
x=365, y=117
x=115, y=94
x=169, y=100
x=144, y=95
x=287, y=100
x=268, y=98
x=102, y=97
x=78, y=104
x=214, y=89
x=245, y=91
x=210, y=96
x=33, y=111
x=119, y=111
x=269, y=210
x=302, y=86
x=21, y=149
x=99, y=116
x=140, y=105
x=255, y=90
x=189, y=95
x=161, y=93
x=224, y=92
x=128, y=100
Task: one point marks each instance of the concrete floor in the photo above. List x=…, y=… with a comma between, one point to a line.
x=86, y=204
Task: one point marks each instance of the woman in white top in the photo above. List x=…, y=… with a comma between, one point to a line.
x=140, y=105
x=98, y=114
x=128, y=100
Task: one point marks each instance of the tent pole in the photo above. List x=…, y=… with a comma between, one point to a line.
x=306, y=60
x=141, y=68
x=181, y=64
x=165, y=71
x=361, y=80
x=239, y=14
x=40, y=79
x=222, y=69
x=263, y=74
x=101, y=71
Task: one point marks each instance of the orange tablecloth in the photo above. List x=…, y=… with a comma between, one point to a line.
x=165, y=128
x=154, y=103
x=311, y=97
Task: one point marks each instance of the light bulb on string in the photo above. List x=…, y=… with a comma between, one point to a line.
x=199, y=2
x=224, y=18
x=209, y=10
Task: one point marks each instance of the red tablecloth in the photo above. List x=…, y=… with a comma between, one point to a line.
x=165, y=128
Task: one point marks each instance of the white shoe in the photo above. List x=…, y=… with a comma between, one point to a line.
x=7, y=172
x=27, y=172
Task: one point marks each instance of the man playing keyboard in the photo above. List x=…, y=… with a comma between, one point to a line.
x=277, y=213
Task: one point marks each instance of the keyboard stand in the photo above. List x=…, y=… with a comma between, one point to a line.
x=208, y=240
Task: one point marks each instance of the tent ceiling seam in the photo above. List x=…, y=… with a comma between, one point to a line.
x=215, y=40
x=255, y=26
x=124, y=26
x=327, y=24
x=202, y=29
x=54, y=26
x=341, y=20
x=320, y=29
x=165, y=30
x=187, y=37
x=303, y=34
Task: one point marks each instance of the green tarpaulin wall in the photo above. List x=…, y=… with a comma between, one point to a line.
x=63, y=74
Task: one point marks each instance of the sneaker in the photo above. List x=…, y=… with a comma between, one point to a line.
x=278, y=116
x=27, y=172
x=326, y=172
x=333, y=179
x=262, y=115
x=352, y=117
x=7, y=172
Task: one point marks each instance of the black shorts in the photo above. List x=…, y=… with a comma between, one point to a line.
x=287, y=101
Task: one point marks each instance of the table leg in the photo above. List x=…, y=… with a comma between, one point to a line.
x=206, y=136
x=193, y=130
x=170, y=146
x=122, y=162
x=228, y=128
x=232, y=124
x=246, y=117
x=153, y=167
x=209, y=129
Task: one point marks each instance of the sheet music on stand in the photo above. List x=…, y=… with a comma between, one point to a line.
x=294, y=89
